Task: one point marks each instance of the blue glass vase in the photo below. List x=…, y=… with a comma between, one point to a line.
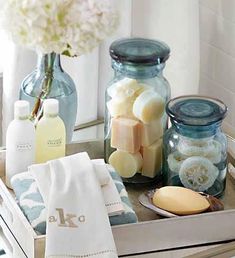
x=49, y=80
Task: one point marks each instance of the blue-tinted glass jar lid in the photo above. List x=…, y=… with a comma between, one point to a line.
x=196, y=110
x=139, y=51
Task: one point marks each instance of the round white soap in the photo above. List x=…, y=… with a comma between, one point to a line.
x=124, y=88
x=121, y=108
x=125, y=163
x=148, y=106
x=180, y=200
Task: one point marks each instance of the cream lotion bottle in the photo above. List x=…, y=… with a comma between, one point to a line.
x=20, y=142
x=50, y=133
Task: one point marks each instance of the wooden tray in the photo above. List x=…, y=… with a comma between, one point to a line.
x=150, y=234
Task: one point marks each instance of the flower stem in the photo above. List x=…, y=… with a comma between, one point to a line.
x=48, y=67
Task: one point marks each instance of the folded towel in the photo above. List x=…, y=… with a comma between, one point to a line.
x=32, y=205
x=110, y=194
x=71, y=192
x=129, y=215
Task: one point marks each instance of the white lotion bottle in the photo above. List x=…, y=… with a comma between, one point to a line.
x=20, y=142
x=50, y=133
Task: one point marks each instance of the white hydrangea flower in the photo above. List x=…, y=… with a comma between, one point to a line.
x=71, y=26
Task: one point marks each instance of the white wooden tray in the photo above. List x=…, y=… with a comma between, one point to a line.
x=145, y=236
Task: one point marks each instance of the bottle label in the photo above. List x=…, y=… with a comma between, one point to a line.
x=23, y=146
x=54, y=142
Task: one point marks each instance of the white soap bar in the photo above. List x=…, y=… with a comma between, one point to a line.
x=126, y=164
x=151, y=132
x=148, y=106
x=124, y=88
x=179, y=200
x=125, y=134
x=152, y=159
x=121, y=108
x=124, y=94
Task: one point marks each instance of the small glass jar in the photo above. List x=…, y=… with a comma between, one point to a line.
x=195, y=148
x=135, y=118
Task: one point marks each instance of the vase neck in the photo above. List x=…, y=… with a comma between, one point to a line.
x=49, y=62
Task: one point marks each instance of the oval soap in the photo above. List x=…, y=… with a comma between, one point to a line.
x=180, y=200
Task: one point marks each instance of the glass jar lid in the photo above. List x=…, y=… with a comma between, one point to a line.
x=139, y=51
x=196, y=110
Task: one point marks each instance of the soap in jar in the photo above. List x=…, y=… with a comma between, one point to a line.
x=148, y=106
x=126, y=134
x=125, y=163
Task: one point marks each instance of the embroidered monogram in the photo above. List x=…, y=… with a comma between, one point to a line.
x=66, y=220
x=81, y=218
x=52, y=219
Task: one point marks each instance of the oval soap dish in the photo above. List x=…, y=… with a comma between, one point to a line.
x=146, y=200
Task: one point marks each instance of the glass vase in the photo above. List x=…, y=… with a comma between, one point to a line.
x=49, y=80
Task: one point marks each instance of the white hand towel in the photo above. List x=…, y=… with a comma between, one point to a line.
x=77, y=220
x=111, y=196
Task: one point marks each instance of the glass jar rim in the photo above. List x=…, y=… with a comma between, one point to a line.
x=139, y=51
x=196, y=110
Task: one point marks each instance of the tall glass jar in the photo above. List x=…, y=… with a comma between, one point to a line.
x=195, y=148
x=135, y=116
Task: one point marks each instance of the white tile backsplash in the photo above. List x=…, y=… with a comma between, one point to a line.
x=223, y=8
x=208, y=59
x=213, y=5
x=225, y=71
x=210, y=88
x=226, y=9
x=217, y=31
x=217, y=53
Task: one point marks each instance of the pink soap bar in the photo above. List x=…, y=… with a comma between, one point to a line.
x=126, y=134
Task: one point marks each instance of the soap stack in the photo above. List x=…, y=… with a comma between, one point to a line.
x=136, y=128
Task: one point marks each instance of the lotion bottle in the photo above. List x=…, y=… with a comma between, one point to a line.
x=20, y=142
x=50, y=133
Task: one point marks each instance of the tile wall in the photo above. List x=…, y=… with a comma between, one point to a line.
x=217, y=46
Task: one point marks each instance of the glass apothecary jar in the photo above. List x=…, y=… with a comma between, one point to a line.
x=135, y=118
x=195, y=148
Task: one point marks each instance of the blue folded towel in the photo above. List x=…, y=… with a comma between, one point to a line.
x=31, y=202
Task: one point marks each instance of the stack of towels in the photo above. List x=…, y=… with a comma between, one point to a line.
x=73, y=200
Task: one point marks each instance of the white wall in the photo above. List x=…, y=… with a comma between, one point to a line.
x=217, y=65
